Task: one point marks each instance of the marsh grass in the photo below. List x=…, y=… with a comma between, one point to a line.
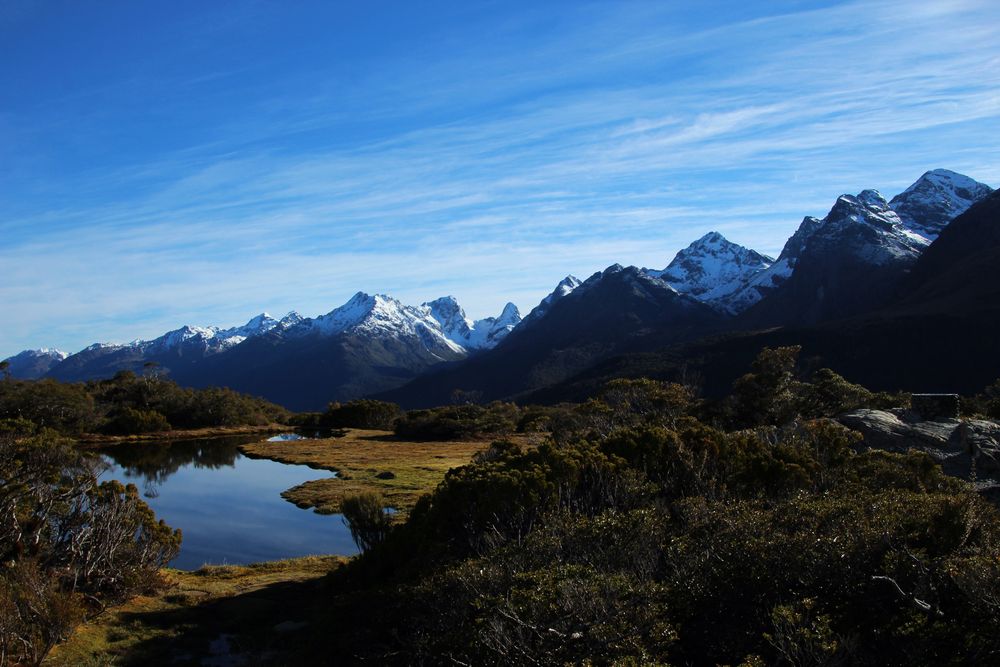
x=246, y=603
x=361, y=458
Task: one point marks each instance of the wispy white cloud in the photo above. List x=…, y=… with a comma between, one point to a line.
x=493, y=174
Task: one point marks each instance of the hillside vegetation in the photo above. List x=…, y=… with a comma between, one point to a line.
x=642, y=526
x=130, y=404
x=658, y=529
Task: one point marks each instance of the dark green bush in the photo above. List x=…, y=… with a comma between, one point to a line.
x=458, y=422
x=640, y=535
x=130, y=420
x=364, y=413
x=367, y=519
x=68, y=544
x=129, y=404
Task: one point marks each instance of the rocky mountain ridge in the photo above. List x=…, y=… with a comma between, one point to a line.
x=849, y=261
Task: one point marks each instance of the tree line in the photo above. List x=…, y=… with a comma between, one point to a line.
x=130, y=404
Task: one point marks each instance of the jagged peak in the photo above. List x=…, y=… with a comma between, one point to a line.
x=510, y=313
x=711, y=238
x=935, y=199
x=259, y=320
x=449, y=299
x=359, y=307
x=711, y=269
x=445, y=308
x=873, y=199
x=566, y=286
x=569, y=283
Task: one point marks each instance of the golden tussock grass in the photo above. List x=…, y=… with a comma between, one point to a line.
x=400, y=470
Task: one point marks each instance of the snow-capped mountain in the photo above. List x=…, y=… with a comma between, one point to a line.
x=616, y=310
x=383, y=316
x=440, y=322
x=935, y=199
x=861, y=225
x=868, y=228
x=844, y=263
x=33, y=364
x=565, y=287
x=471, y=335
x=712, y=269
x=370, y=343
x=211, y=340
x=847, y=263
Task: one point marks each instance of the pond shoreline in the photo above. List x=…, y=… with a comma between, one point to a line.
x=229, y=506
x=368, y=460
x=96, y=440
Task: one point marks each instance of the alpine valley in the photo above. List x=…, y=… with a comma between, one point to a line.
x=889, y=293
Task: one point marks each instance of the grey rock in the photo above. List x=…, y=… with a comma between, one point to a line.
x=966, y=448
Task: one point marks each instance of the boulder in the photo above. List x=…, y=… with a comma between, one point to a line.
x=966, y=448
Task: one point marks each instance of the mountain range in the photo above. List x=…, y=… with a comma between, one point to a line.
x=868, y=262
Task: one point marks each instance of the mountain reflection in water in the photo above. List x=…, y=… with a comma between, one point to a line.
x=229, y=507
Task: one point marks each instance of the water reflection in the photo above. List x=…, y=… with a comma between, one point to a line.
x=155, y=462
x=228, y=506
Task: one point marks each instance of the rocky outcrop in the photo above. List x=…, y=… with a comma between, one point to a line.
x=966, y=448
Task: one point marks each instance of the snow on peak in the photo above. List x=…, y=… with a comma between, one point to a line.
x=382, y=315
x=863, y=225
x=33, y=364
x=359, y=308
x=510, y=315
x=40, y=353
x=489, y=331
x=565, y=287
x=471, y=335
x=873, y=199
x=936, y=198
x=256, y=326
x=49, y=352
x=712, y=269
x=260, y=322
x=451, y=317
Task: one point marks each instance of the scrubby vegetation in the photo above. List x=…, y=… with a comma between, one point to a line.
x=459, y=422
x=130, y=404
x=985, y=404
x=69, y=545
x=366, y=517
x=362, y=413
x=643, y=526
x=654, y=528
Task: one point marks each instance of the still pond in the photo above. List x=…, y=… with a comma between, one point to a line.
x=228, y=507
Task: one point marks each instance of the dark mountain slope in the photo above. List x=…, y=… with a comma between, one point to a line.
x=309, y=372
x=939, y=332
x=960, y=271
x=33, y=364
x=849, y=262
x=618, y=310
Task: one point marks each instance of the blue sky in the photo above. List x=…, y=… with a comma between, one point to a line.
x=196, y=163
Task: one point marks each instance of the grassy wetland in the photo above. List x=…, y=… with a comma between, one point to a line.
x=645, y=525
x=398, y=469
x=221, y=613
